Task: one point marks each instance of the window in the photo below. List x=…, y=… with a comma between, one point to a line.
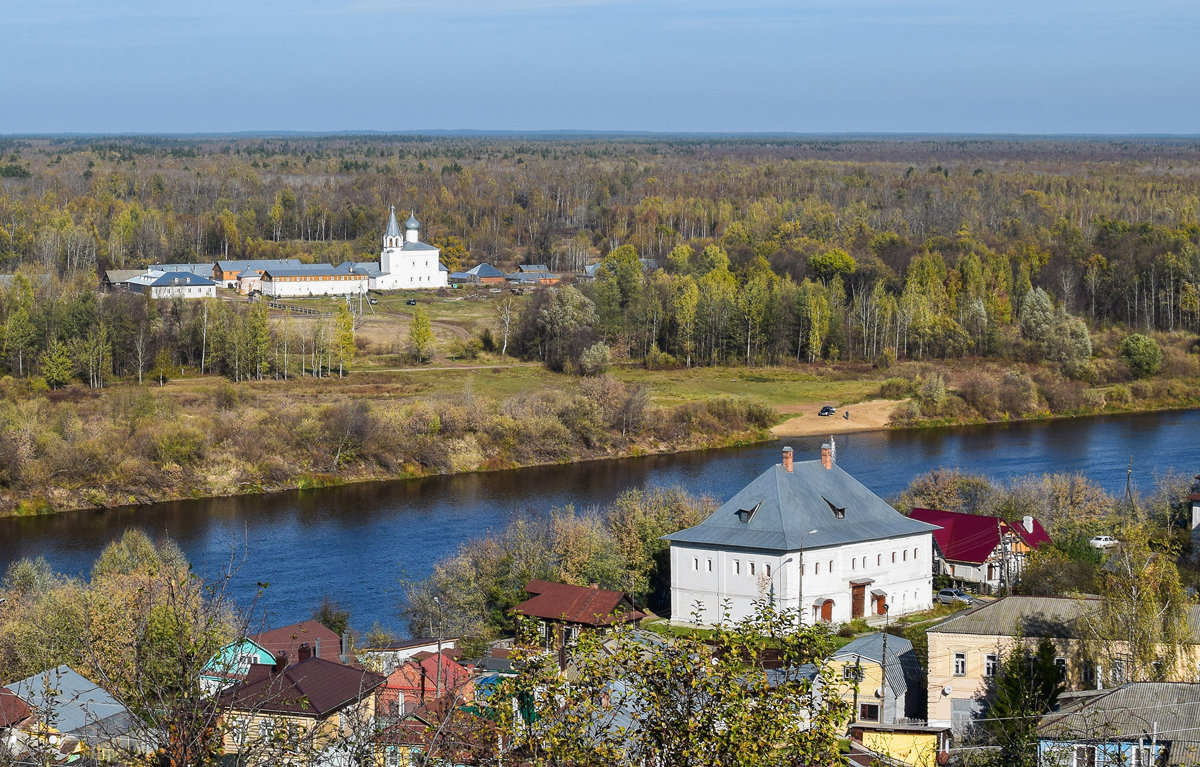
x=893, y=557
x=960, y=664
x=239, y=728
x=695, y=563
x=878, y=560
x=914, y=553
x=868, y=712
x=1140, y=756
x=853, y=563
x=710, y=565
x=1085, y=756
x=737, y=567
x=266, y=729
x=1061, y=665
x=852, y=673
x=752, y=568
x=816, y=568
x=768, y=571
x=831, y=565
x=1120, y=671
x=989, y=665
x=864, y=563
x=904, y=555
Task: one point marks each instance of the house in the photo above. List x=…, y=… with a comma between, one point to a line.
x=563, y=611
x=981, y=550
x=386, y=658
x=421, y=679
x=533, y=274
x=74, y=715
x=298, y=708
x=172, y=285
x=483, y=274
x=808, y=537
x=1194, y=502
x=312, y=280
x=1141, y=724
x=405, y=262
x=114, y=280
x=888, y=699
x=965, y=651
x=232, y=662
x=226, y=272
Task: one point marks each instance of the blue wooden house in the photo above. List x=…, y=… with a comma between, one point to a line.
x=1140, y=724
x=230, y=664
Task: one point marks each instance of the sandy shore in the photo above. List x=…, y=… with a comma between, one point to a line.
x=864, y=416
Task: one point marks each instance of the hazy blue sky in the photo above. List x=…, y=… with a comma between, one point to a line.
x=1011, y=66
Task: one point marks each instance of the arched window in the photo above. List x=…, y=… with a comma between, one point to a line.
x=904, y=555
x=864, y=562
x=831, y=565
x=878, y=560
x=914, y=553
x=893, y=557
x=752, y=568
x=768, y=571
x=816, y=568
x=853, y=563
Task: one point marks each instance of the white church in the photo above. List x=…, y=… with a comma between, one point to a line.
x=405, y=263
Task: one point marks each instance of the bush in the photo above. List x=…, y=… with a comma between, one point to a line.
x=659, y=360
x=1120, y=395
x=897, y=388
x=1018, y=396
x=1061, y=396
x=1142, y=354
x=226, y=396
x=595, y=359
x=466, y=350
x=981, y=392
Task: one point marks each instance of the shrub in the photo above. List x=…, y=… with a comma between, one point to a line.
x=1018, y=396
x=466, y=350
x=1142, y=354
x=981, y=392
x=178, y=444
x=1093, y=399
x=1120, y=395
x=932, y=393
x=1061, y=396
x=595, y=359
x=896, y=388
x=226, y=396
x=660, y=360
x=487, y=340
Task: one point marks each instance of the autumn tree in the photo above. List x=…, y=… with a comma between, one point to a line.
x=420, y=336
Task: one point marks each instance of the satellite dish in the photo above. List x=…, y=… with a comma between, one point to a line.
x=879, y=693
x=947, y=690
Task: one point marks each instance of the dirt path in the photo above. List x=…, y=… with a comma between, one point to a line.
x=864, y=416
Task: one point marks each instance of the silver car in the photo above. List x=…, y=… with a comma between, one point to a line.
x=953, y=596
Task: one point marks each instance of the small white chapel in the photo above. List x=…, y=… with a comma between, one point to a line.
x=406, y=262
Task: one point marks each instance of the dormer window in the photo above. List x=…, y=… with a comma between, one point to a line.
x=839, y=512
x=744, y=515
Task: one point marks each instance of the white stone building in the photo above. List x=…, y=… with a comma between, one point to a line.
x=313, y=280
x=808, y=536
x=407, y=263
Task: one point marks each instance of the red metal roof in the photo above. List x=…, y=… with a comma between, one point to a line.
x=289, y=638
x=312, y=687
x=972, y=538
x=13, y=710
x=577, y=604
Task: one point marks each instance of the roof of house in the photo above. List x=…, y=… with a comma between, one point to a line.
x=576, y=604
x=972, y=538
x=69, y=702
x=313, y=687
x=779, y=510
x=164, y=279
x=369, y=268
x=114, y=276
x=421, y=673
x=903, y=669
x=12, y=708
x=1168, y=711
x=393, y=228
x=485, y=270
x=316, y=270
x=260, y=264
x=1035, y=617
x=323, y=641
x=528, y=268
x=205, y=269
x=404, y=644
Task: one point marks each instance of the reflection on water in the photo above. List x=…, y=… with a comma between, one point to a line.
x=357, y=542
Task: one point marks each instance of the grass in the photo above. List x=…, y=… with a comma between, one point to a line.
x=776, y=387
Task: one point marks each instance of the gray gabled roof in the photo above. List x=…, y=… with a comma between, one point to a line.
x=258, y=264
x=781, y=508
x=485, y=270
x=1132, y=712
x=68, y=701
x=417, y=246
x=155, y=279
x=903, y=669
x=369, y=268
x=202, y=269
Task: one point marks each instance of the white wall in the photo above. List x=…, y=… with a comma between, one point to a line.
x=182, y=291
x=908, y=581
x=301, y=288
x=407, y=271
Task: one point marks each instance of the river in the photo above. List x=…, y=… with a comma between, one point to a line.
x=357, y=542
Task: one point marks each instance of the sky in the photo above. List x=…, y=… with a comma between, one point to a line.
x=842, y=66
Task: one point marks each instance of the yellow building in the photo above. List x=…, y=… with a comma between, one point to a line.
x=285, y=711
x=966, y=650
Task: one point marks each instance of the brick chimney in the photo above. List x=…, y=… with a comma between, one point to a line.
x=827, y=456
x=305, y=652
x=281, y=661
x=787, y=460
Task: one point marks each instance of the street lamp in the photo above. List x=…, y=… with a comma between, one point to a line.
x=887, y=614
x=800, y=596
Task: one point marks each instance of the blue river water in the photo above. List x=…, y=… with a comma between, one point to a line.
x=356, y=543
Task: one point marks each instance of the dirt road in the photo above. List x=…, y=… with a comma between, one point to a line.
x=864, y=416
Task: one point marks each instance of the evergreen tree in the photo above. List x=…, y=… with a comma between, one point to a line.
x=56, y=366
x=1026, y=686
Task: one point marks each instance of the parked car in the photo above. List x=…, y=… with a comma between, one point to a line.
x=828, y=410
x=955, y=596
x=411, y=302
x=372, y=301
x=1104, y=541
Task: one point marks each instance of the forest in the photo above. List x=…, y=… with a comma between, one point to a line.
x=971, y=278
